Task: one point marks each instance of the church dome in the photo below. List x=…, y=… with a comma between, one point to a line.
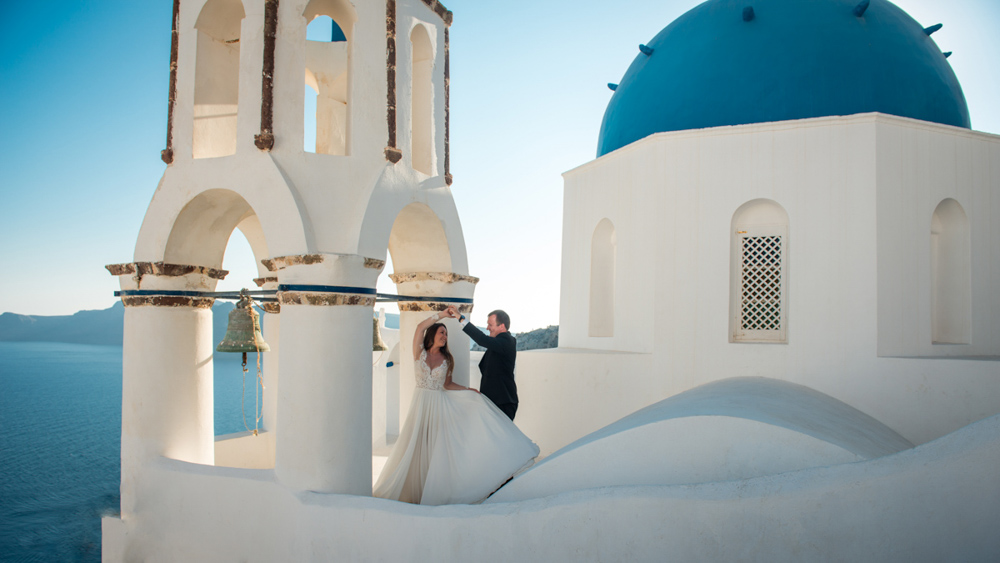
x=733, y=62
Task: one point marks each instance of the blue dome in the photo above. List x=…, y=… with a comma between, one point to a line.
x=724, y=64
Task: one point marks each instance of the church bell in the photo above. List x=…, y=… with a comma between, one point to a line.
x=243, y=333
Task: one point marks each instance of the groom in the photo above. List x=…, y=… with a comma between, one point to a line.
x=497, y=365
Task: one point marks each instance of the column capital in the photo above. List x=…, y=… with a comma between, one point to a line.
x=269, y=282
x=418, y=306
x=433, y=285
x=322, y=298
x=351, y=270
x=162, y=284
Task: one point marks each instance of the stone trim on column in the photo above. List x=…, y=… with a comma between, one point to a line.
x=168, y=285
x=167, y=154
x=272, y=307
x=447, y=277
x=164, y=269
x=447, y=109
x=167, y=301
x=324, y=299
x=392, y=152
x=439, y=9
x=417, y=306
x=265, y=140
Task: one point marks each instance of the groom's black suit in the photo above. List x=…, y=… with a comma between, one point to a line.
x=497, y=367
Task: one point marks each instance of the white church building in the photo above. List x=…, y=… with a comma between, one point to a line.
x=779, y=309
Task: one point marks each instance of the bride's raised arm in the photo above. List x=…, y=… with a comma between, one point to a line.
x=418, y=334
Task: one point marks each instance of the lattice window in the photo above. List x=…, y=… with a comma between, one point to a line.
x=761, y=284
x=760, y=290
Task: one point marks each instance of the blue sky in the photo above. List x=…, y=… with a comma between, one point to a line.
x=83, y=99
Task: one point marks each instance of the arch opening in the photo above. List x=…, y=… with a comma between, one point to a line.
x=219, y=229
x=217, y=78
x=422, y=101
x=326, y=90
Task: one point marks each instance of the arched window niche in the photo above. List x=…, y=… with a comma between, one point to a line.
x=217, y=78
x=326, y=115
x=951, y=275
x=759, y=273
x=603, y=246
x=422, y=101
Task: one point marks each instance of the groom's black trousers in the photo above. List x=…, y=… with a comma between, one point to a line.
x=508, y=409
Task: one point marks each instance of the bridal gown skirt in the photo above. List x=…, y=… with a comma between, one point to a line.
x=455, y=447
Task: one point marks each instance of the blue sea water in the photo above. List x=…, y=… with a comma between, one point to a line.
x=60, y=428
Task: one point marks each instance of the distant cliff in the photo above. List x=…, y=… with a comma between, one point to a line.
x=103, y=327
x=537, y=339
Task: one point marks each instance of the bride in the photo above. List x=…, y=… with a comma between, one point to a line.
x=456, y=446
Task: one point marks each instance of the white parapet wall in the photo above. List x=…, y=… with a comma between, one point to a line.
x=936, y=502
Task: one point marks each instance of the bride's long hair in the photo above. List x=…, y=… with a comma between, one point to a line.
x=429, y=343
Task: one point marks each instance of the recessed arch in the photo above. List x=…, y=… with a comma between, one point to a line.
x=951, y=274
x=217, y=78
x=603, y=249
x=326, y=85
x=758, y=303
x=422, y=100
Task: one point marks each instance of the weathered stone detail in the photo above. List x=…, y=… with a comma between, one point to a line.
x=167, y=301
x=167, y=154
x=447, y=277
x=439, y=9
x=374, y=263
x=279, y=262
x=261, y=281
x=271, y=307
x=416, y=306
x=140, y=269
x=447, y=108
x=392, y=153
x=265, y=141
x=324, y=299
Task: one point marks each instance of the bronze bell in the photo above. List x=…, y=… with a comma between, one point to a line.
x=243, y=333
x=377, y=343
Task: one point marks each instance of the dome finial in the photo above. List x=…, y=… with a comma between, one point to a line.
x=859, y=10
x=612, y=86
x=933, y=28
x=646, y=50
x=748, y=14
x=947, y=54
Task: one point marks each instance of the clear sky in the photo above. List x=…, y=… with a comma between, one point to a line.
x=83, y=101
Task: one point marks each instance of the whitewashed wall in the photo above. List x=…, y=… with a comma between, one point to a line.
x=671, y=198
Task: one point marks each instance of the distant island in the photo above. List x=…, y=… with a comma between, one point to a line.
x=105, y=328
x=537, y=339
x=101, y=327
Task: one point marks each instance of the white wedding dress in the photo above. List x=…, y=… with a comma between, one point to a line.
x=455, y=447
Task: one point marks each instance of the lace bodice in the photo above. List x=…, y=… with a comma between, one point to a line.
x=428, y=378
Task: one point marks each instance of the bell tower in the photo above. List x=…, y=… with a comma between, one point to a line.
x=321, y=198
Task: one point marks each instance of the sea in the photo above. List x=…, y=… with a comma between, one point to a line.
x=60, y=435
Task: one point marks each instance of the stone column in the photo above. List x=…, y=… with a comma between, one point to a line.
x=324, y=405
x=167, y=386
x=451, y=289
